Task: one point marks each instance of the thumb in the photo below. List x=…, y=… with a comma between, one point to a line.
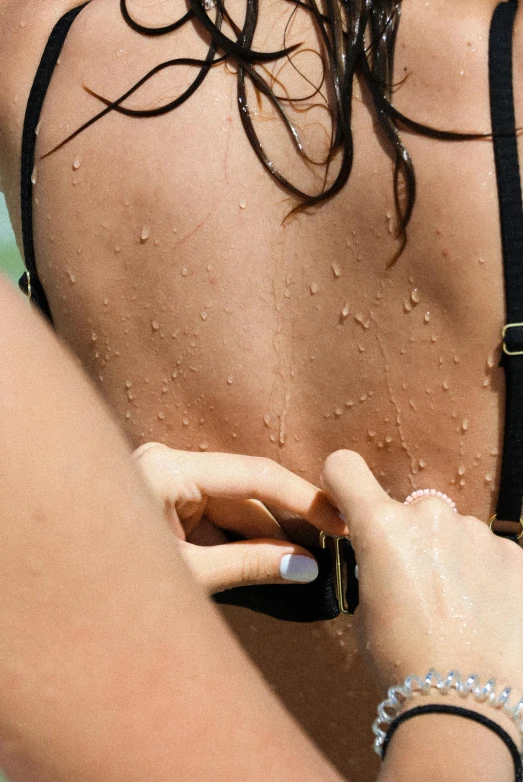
x=353, y=489
x=249, y=562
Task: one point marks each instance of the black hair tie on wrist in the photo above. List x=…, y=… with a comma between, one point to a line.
x=437, y=708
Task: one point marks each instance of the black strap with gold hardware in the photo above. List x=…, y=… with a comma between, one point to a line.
x=511, y=219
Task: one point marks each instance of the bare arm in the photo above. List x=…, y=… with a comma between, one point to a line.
x=113, y=664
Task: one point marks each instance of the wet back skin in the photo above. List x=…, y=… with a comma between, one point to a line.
x=209, y=323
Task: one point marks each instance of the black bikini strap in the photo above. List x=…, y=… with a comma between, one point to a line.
x=30, y=282
x=511, y=219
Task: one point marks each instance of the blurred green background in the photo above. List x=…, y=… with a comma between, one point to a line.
x=10, y=264
x=10, y=261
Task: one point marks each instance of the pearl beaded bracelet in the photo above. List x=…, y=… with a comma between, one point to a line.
x=415, y=495
x=398, y=695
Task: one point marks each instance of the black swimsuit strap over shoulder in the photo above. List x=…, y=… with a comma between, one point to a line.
x=30, y=282
x=511, y=221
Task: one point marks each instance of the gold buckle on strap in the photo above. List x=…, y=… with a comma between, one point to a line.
x=503, y=334
x=338, y=569
x=494, y=517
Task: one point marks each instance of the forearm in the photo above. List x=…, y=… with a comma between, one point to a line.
x=113, y=664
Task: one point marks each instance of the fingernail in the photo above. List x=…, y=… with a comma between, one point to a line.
x=295, y=567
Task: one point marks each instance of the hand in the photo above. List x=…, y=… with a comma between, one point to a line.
x=436, y=589
x=207, y=493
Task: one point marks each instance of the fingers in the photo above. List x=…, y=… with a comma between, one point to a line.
x=249, y=518
x=353, y=489
x=249, y=562
x=236, y=477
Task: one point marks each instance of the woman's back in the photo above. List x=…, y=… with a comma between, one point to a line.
x=211, y=322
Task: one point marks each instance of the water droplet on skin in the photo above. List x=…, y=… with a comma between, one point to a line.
x=455, y=359
x=462, y=482
x=314, y=288
x=203, y=315
x=34, y=176
x=445, y=385
x=161, y=416
x=106, y=302
x=130, y=396
x=155, y=325
x=185, y=271
x=230, y=380
x=415, y=296
x=128, y=414
x=345, y=312
x=145, y=234
x=363, y=397
x=488, y=477
x=412, y=404
x=422, y=464
x=426, y=317
x=481, y=260
x=267, y=420
x=272, y=438
x=243, y=204
x=464, y=425
x=388, y=439
x=360, y=319
x=461, y=470
x=338, y=412
x=491, y=362
x=23, y=23
x=185, y=421
x=77, y=162
x=361, y=348
x=371, y=434
x=407, y=306
x=350, y=403
x=94, y=337
x=336, y=269
x=404, y=385
x=72, y=278
x=203, y=446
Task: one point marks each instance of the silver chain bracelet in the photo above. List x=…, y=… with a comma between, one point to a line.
x=398, y=696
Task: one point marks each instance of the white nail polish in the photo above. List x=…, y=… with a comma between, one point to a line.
x=295, y=567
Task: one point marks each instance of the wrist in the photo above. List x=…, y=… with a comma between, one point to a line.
x=433, y=747
x=453, y=698
x=457, y=730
